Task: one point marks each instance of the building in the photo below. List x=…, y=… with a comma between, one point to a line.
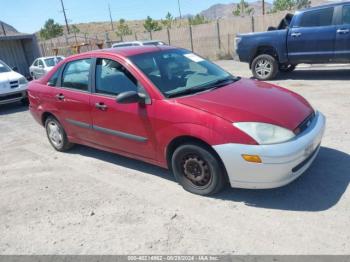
x=17, y=49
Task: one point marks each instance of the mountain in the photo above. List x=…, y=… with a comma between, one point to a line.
x=225, y=10
x=10, y=30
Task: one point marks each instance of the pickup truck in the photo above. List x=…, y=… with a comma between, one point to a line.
x=313, y=36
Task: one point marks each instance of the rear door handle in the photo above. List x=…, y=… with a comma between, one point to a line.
x=296, y=34
x=343, y=31
x=60, y=96
x=101, y=106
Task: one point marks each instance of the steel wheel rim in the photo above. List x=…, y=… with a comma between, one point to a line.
x=196, y=171
x=263, y=68
x=55, y=134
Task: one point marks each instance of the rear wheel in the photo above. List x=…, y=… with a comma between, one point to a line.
x=56, y=135
x=198, y=170
x=264, y=67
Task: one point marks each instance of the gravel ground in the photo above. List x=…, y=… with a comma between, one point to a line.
x=92, y=202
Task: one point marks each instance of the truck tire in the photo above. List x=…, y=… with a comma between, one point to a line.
x=264, y=67
x=287, y=68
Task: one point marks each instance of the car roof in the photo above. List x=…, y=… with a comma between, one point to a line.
x=47, y=57
x=324, y=6
x=127, y=51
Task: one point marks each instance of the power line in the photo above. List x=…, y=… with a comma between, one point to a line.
x=110, y=16
x=65, y=16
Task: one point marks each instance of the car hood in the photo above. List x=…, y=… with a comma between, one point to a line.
x=9, y=76
x=252, y=101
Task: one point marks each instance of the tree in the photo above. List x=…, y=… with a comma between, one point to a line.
x=151, y=25
x=197, y=20
x=168, y=20
x=51, y=30
x=75, y=29
x=123, y=28
x=243, y=9
x=282, y=5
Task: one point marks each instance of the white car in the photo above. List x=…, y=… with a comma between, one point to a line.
x=13, y=86
x=42, y=65
x=138, y=43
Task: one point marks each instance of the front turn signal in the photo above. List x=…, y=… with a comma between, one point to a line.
x=252, y=158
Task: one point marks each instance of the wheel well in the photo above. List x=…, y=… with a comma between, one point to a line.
x=45, y=116
x=268, y=50
x=191, y=140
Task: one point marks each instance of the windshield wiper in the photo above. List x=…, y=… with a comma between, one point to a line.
x=208, y=86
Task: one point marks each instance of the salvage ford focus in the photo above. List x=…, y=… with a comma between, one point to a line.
x=172, y=108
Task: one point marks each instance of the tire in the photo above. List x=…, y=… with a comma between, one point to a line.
x=264, y=67
x=198, y=170
x=287, y=68
x=56, y=135
x=25, y=101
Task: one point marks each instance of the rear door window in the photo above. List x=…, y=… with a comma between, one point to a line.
x=322, y=17
x=346, y=15
x=76, y=74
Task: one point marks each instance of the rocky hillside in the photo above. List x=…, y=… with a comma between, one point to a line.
x=225, y=10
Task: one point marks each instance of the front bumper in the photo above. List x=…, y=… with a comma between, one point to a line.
x=281, y=163
x=12, y=97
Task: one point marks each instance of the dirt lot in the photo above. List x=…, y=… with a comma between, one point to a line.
x=92, y=202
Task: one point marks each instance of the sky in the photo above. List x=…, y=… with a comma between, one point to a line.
x=28, y=16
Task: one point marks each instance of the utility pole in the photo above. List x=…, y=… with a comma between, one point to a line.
x=65, y=17
x=178, y=3
x=263, y=7
x=110, y=16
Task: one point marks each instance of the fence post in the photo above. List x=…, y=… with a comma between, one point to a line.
x=168, y=33
x=253, y=24
x=218, y=33
x=68, y=47
x=150, y=35
x=135, y=36
x=107, y=41
x=191, y=38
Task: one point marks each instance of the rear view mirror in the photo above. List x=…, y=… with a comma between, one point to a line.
x=15, y=68
x=130, y=97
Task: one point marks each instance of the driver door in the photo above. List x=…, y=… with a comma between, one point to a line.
x=122, y=127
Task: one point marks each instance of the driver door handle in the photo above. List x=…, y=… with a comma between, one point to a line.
x=343, y=31
x=296, y=34
x=101, y=106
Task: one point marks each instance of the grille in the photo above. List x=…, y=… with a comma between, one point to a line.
x=14, y=84
x=305, y=124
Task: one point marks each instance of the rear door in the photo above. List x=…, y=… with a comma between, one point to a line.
x=72, y=98
x=342, y=43
x=312, y=37
x=123, y=127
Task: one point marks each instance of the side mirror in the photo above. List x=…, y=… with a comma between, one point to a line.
x=15, y=68
x=130, y=97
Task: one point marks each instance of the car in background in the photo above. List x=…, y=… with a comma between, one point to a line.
x=313, y=36
x=13, y=86
x=138, y=43
x=170, y=107
x=42, y=65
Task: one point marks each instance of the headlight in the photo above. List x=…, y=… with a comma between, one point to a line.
x=264, y=133
x=22, y=81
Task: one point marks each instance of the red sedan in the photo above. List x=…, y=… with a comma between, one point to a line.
x=172, y=108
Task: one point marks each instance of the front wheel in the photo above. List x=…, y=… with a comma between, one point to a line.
x=264, y=67
x=198, y=170
x=56, y=135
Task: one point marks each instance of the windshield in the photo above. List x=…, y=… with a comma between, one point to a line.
x=4, y=68
x=53, y=61
x=178, y=72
